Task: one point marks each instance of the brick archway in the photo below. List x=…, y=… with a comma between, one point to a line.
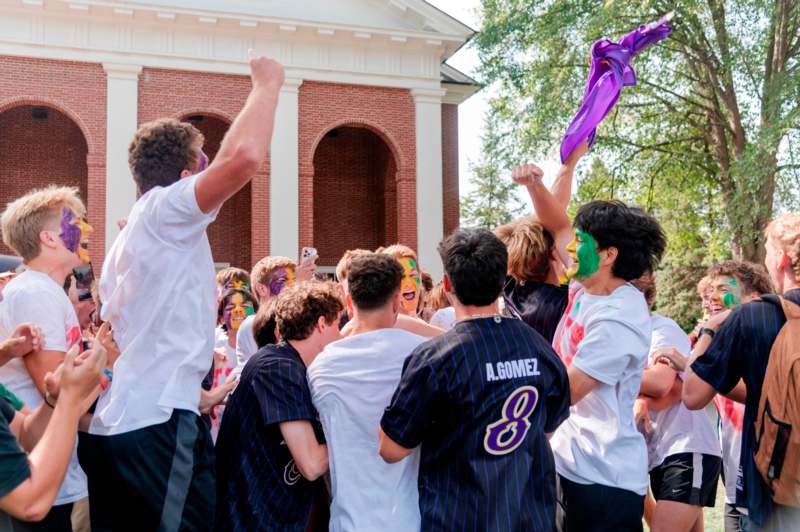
x=42, y=145
x=230, y=235
x=355, y=192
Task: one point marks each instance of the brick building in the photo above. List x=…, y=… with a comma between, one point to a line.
x=365, y=149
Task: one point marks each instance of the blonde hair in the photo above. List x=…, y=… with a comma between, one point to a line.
x=785, y=231
x=703, y=285
x=504, y=232
x=529, y=249
x=26, y=217
x=263, y=270
x=343, y=266
x=399, y=251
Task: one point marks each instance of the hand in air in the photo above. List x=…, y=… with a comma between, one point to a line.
x=105, y=338
x=25, y=339
x=672, y=357
x=305, y=272
x=527, y=174
x=265, y=72
x=579, y=151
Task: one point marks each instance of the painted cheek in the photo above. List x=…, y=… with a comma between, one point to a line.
x=70, y=232
x=729, y=300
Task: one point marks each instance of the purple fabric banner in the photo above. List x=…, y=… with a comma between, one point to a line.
x=610, y=71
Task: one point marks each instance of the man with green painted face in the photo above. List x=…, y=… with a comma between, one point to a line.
x=603, y=338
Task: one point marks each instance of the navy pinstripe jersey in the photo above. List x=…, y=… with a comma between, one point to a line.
x=258, y=484
x=480, y=399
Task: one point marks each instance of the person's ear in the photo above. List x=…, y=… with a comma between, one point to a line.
x=48, y=238
x=397, y=302
x=784, y=261
x=608, y=256
x=448, y=285
x=186, y=173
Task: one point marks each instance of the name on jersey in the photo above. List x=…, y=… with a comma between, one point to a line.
x=512, y=369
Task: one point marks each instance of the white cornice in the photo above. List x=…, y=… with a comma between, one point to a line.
x=122, y=71
x=428, y=95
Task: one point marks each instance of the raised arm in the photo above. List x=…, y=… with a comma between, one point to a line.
x=562, y=186
x=549, y=211
x=245, y=146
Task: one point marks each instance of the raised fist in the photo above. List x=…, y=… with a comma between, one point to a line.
x=526, y=174
x=265, y=72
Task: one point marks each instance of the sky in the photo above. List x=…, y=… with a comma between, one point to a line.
x=471, y=113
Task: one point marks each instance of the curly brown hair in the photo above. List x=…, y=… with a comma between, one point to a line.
x=754, y=277
x=161, y=150
x=300, y=306
x=264, y=325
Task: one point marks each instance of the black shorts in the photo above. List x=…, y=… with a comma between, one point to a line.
x=690, y=478
x=597, y=508
x=160, y=477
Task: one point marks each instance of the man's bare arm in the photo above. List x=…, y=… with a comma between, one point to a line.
x=244, y=148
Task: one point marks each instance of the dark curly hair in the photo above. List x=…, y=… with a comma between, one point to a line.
x=638, y=237
x=476, y=262
x=300, y=306
x=373, y=279
x=264, y=325
x=161, y=150
x=754, y=277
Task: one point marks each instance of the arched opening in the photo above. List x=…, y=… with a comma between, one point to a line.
x=230, y=234
x=355, y=193
x=40, y=146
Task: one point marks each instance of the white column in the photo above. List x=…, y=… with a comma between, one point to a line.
x=122, y=96
x=430, y=198
x=284, y=182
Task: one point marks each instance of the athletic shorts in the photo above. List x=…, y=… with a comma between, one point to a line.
x=690, y=478
x=160, y=477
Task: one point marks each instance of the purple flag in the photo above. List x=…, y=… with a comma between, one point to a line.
x=610, y=72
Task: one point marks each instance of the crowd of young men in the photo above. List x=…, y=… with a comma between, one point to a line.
x=548, y=396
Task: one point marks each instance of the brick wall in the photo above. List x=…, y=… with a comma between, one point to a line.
x=450, y=167
x=388, y=114
x=353, y=171
x=36, y=152
x=76, y=94
x=240, y=235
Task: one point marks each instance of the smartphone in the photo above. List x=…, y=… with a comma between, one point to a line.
x=84, y=276
x=307, y=255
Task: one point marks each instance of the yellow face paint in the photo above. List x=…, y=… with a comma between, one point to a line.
x=236, y=310
x=410, y=285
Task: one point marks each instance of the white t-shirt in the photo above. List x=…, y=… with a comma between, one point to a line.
x=36, y=298
x=676, y=429
x=444, y=318
x=731, y=421
x=158, y=292
x=608, y=338
x=352, y=381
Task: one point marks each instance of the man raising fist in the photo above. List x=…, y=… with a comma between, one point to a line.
x=158, y=292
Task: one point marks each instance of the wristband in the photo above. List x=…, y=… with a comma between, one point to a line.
x=706, y=330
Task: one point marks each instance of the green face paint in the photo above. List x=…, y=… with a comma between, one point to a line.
x=729, y=299
x=585, y=259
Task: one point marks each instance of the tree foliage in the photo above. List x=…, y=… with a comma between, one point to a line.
x=493, y=200
x=707, y=140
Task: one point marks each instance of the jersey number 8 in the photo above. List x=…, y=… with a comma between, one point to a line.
x=506, y=434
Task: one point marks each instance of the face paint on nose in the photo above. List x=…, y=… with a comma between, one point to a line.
x=410, y=285
x=236, y=311
x=584, y=254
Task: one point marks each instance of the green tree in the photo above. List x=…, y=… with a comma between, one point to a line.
x=493, y=200
x=711, y=129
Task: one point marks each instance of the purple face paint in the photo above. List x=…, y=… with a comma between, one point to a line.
x=70, y=230
x=202, y=161
x=610, y=71
x=280, y=279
